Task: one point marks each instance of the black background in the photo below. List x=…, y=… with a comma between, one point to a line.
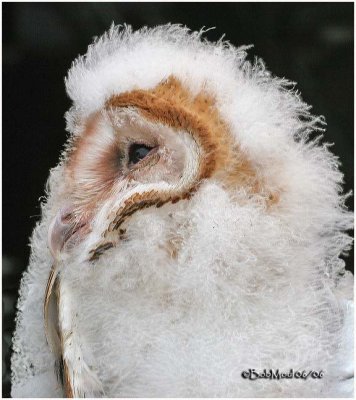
x=310, y=43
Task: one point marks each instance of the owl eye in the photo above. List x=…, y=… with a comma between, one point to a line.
x=138, y=152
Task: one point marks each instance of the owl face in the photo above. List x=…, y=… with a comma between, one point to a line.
x=145, y=148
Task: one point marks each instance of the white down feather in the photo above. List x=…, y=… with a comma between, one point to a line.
x=250, y=288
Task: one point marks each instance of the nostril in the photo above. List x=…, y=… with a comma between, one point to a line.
x=66, y=214
x=67, y=218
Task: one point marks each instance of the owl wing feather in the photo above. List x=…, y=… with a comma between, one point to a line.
x=51, y=312
x=52, y=328
x=76, y=377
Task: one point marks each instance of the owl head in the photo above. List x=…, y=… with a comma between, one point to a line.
x=189, y=181
x=160, y=114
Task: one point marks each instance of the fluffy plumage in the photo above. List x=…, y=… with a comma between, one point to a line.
x=223, y=247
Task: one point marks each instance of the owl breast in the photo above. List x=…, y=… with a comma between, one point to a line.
x=184, y=298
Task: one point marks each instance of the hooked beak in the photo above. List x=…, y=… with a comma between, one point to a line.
x=64, y=229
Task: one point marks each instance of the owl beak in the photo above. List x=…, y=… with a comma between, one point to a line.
x=62, y=228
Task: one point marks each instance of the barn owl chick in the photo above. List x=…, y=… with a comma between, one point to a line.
x=191, y=232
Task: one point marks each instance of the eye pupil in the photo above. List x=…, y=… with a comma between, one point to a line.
x=137, y=152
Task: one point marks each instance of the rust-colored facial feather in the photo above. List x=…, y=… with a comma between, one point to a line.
x=171, y=104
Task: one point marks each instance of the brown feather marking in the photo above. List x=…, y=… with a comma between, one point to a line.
x=99, y=250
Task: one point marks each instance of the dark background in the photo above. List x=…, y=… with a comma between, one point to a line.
x=310, y=43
